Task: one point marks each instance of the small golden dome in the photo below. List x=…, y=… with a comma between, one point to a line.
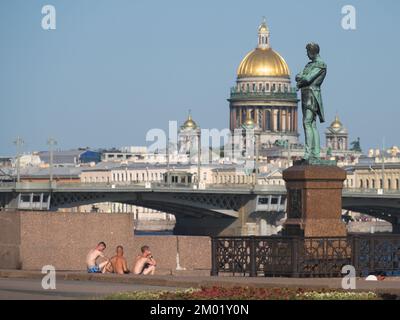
x=189, y=123
x=336, y=124
x=263, y=63
x=248, y=122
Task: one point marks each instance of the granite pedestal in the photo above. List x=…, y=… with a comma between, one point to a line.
x=314, y=204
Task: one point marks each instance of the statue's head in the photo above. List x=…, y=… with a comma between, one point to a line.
x=312, y=50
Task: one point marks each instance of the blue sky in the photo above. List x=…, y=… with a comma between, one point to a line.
x=112, y=70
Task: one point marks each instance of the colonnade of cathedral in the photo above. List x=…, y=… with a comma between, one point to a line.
x=275, y=119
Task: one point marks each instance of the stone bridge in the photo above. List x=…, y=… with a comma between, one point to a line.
x=215, y=209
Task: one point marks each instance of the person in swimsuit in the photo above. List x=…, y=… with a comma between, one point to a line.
x=93, y=255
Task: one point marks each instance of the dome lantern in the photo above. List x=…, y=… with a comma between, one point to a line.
x=263, y=61
x=263, y=35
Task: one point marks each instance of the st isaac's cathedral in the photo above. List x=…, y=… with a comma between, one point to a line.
x=263, y=94
x=264, y=99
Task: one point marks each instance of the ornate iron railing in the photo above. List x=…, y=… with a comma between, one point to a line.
x=305, y=257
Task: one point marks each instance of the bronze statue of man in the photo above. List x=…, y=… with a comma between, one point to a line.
x=309, y=82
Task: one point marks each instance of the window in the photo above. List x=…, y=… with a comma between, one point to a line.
x=267, y=87
x=263, y=200
x=397, y=184
x=361, y=184
x=373, y=183
x=367, y=184
x=389, y=184
x=25, y=198
x=380, y=183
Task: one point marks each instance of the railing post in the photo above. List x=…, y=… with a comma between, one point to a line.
x=372, y=255
x=214, y=257
x=355, y=254
x=253, y=267
x=295, y=257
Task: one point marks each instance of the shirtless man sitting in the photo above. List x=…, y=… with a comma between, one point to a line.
x=119, y=262
x=145, y=263
x=93, y=255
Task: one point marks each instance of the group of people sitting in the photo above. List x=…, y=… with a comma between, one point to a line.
x=143, y=264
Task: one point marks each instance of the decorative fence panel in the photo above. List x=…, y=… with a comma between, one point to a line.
x=305, y=257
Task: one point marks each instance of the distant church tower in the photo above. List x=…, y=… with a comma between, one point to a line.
x=337, y=137
x=187, y=136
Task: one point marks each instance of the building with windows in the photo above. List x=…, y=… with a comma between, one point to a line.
x=337, y=137
x=188, y=137
x=373, y=175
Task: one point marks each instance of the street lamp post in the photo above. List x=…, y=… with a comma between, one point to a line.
x=18, y=142
x=51, y=143
x=167, y=156
x=257, y=136
x=383, y=164
x=198, y=156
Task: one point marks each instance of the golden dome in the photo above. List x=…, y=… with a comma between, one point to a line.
x=189, y=123
x=263, y=63
x=336, y=124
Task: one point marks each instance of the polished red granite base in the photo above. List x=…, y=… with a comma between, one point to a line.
x=314, y=201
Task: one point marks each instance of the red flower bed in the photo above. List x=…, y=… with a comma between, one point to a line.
x=245, y=293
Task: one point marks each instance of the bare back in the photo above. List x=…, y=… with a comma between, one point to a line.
x=119, y=264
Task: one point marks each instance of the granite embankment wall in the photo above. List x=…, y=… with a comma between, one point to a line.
x=30, y=240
